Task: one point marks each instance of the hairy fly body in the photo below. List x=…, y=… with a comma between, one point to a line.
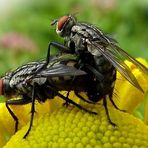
x=43, y=84
x=98, y=54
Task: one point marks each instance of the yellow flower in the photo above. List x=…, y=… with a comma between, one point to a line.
x=74, y=128
x=57, y=126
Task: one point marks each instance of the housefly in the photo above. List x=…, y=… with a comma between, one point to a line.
x=44, y=84
x=98, y=54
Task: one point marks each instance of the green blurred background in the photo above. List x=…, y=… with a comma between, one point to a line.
x=25, y=29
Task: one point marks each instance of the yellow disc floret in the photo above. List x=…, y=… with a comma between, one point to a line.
x=74, y=128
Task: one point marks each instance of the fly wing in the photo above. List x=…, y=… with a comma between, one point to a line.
x=107, y=41
x=58, y=70
x=111, y=44
x=117, y=56
x=131, y=59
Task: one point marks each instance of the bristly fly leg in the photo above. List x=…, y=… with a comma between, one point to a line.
x=71, y=83
x=32, y=109
x=56, y=45
x=107, y=113
x=79, y=96
x=13, y=116
x=66, y=103
x=113, y=103
x=75, y=104
x=24, y=100
x=69, y=100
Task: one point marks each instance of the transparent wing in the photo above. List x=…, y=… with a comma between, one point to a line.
x=60, y=70
x=116, y=56
x=131, y=59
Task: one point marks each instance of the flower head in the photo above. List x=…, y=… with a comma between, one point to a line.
x=72, y=127
x=55, y=125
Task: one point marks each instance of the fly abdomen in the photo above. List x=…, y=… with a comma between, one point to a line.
x=102, y=64
x=69, y=82
x=106, y=85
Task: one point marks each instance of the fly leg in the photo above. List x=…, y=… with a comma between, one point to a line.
x=79, y=96
x=113, y=103
x=24, y=100
x=32, y=110
x=69, y=100
x=56, y=45
x=66, y=103
x=107, y=113
x=60, y=46
x=75, y=104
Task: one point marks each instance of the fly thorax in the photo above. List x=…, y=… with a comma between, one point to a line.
x=39, y=80
x=79, y=31
x=81, y=37
x=15, y=80
x=78, y=43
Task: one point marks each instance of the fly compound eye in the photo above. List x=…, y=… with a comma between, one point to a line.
x=1, y=87
x=61, y=22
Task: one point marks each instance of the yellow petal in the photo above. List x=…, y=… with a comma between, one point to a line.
x=146, y=111
x=128, y=97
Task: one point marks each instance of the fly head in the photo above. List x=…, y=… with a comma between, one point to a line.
x=64, y=25
x=5, y=88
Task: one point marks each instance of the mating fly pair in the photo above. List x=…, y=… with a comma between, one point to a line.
x=93, y=70
x=98, y=55
x=33, y=82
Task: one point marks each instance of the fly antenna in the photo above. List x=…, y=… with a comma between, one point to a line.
x=54, y=22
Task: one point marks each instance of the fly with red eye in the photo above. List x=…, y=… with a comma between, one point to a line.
x=98, y=54
x=85, y=37
x=45, y=84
